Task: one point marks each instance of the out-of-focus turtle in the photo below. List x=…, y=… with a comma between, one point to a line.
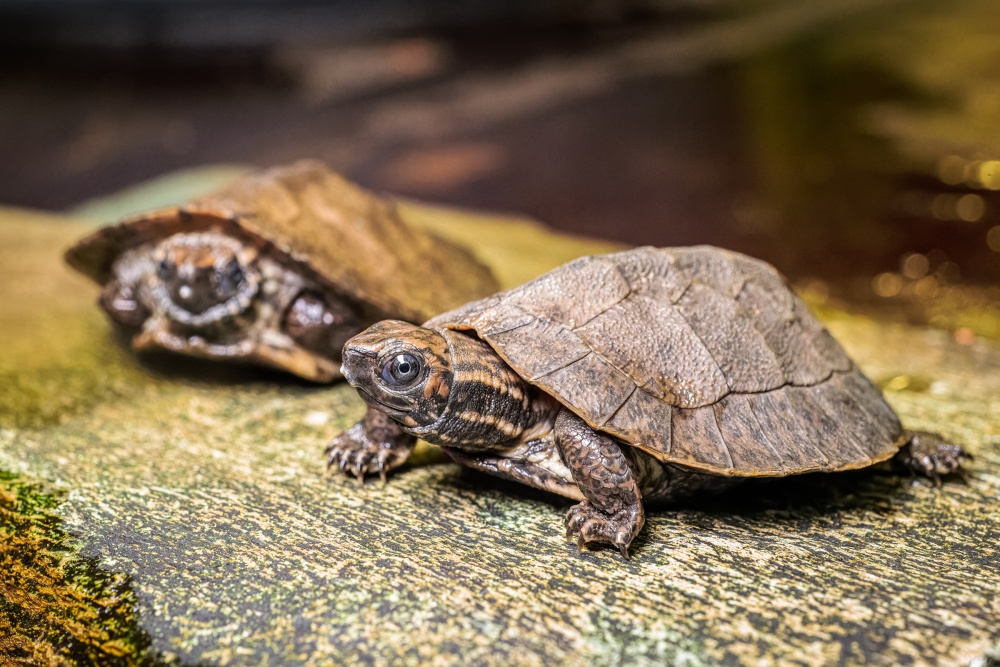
x=648, y=374
x=278, y=269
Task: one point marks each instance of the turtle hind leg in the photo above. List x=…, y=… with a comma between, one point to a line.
x=930, y=455
x=375, y=445
x=612, y=511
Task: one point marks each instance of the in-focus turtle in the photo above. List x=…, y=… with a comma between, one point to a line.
x=643, y=375
x=278, y=269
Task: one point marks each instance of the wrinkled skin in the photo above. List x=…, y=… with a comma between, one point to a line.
x=208, y=294
x=454, y=390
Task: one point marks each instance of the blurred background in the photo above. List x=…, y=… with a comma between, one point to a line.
x=853, y=143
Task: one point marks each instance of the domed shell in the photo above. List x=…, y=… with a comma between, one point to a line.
x=335, y=232
x=699, y=356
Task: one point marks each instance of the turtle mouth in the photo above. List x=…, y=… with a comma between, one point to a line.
x=388, y=408
x=231, y=308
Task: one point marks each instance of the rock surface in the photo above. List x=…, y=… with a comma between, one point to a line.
x=206, y=486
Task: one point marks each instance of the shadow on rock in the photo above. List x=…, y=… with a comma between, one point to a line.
x=181, y=368
x=801, y=500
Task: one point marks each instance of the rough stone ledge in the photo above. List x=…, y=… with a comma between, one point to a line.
x=205, y=486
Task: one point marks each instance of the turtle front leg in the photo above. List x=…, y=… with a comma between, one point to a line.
x=376, y=444
x=930, y=455
x=612, y=512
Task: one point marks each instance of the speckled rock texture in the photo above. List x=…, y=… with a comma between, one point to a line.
x=206, y=486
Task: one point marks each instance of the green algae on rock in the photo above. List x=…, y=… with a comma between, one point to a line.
x=57, y=608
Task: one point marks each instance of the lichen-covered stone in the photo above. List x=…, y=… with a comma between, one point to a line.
x=205, y=485
x=57, y=608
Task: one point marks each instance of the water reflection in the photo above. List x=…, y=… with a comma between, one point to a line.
x=876, y=161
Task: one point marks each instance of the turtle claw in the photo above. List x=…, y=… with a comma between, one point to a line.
x=382, y=460
x=354, y=453
x=930, y=456
x=375, y=445
x=592, y=526
x=342, y=461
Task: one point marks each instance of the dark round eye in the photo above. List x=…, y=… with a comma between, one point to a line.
x=401, y=370
x=165, y=269
x=230, y=277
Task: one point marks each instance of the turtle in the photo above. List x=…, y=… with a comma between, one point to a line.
x=279, y=269
x=646, y=375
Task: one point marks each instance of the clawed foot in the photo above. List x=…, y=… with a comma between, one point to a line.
x=372, y=446
x=932, y=457
x=593, y=526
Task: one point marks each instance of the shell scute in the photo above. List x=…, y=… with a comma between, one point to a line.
x=714, y=269
x=851, y=394
x=653, y=272
x=644, y=420
x=698, y=441
x=765, y=275
x=749, y=443
x=557, y=295
x=591, y=385
x=828, y=348
x=541, y=347
x=674, y=364
x=785, y=334
x=790, y=431
x=731, y=337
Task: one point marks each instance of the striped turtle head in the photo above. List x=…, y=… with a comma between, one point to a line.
x=447, y=387
x=402, y=370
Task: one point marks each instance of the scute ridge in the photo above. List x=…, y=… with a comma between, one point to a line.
x=722, y=439
x=767, y=441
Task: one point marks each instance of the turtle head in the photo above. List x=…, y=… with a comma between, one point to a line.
x=447, y=387
x=203, y=278
x=402, y=370
x=210, y=294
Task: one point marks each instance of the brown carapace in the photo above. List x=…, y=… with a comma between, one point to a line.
x=279, y=269
x=643, y=375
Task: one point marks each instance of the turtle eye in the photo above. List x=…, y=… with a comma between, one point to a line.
x=165, y=269
x=401, y=371
x=229, y=278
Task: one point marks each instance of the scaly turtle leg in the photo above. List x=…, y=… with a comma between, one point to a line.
x=376, y=444
x=930, y=455
x=612, y=512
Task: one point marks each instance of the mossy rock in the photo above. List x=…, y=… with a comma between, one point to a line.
x=204, y=486
x=57, y=608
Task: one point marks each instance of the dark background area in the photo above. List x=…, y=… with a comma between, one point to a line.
x=853, y=143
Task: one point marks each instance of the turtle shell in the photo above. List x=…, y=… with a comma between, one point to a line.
x=699, y=356
x=344, y=237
